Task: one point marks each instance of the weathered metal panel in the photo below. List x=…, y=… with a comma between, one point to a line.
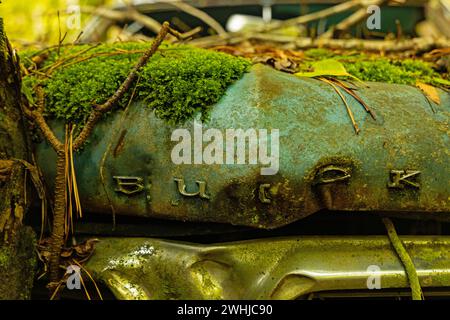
x=277, y=268
x=398, y=163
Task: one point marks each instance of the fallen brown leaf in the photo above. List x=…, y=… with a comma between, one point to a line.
x=283, y=60
x=430, y=92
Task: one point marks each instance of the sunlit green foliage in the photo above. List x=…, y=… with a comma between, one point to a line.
x=27, y=22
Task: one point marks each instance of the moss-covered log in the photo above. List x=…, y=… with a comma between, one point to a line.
x=16, y=241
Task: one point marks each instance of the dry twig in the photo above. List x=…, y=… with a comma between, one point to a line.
x=414, y=44
x=353, y=19
x=349, y=111
x=206, y=18
x=124, y=87
x=122, y=16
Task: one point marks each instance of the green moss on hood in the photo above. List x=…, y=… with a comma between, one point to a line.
x=177, y=82
x=379, y=69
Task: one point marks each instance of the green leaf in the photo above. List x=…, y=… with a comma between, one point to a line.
x=327, y=67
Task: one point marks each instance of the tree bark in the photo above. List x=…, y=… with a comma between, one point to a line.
x=17, y=258
x=57, y=236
